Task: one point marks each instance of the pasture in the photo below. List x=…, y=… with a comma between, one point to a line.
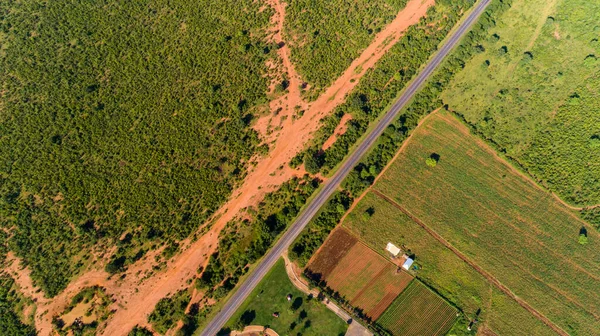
x=301, y=315
x=502, y=221
x=418, y=311
x=364, y=278
x=533, y=90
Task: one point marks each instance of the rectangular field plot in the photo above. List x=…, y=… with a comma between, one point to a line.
x=363, y=277
x=418, y=311
x=502, y=221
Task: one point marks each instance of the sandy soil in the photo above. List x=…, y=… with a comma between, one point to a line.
x=135, y=298
x=339, y=131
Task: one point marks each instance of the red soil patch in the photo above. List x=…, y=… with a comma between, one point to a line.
x=332, y=252
x=366, y=279
x=339, y=130
x=136, y=297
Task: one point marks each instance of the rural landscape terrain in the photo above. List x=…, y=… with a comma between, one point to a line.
x=279, y=167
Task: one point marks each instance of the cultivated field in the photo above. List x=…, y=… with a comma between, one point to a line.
x=366, y=279
x=442, y=269
x=504, y=223
x=418, y=311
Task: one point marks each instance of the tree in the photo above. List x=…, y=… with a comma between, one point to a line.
x=431, y=162
x=583, y=239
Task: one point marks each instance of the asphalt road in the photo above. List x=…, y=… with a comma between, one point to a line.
x=332, y=184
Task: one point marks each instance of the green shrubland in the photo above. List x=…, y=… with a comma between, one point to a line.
x=10, y=305
x=128, y=117
x=537, y=100
x=326, y=36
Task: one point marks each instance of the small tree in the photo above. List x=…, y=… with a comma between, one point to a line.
x=431, y=162
x=583, y=239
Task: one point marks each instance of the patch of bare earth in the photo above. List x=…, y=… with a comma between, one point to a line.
x=339, y=131
x=136, y=295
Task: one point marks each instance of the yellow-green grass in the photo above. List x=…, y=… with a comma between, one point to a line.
x=524, y=101
x=418, y=312
x=271, y=296
x=507, y=225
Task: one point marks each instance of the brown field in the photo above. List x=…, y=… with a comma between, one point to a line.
x=366, y=279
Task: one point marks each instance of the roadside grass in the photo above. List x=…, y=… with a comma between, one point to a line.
x=506, y=224
x=441, y=269
x=538, y=100
x=307, y=316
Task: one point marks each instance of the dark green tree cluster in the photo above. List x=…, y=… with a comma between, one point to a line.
x=319, y=227
x=326, y=36
x=168, y=311
x=123, y=117
x=140, y=331
x=10, y=322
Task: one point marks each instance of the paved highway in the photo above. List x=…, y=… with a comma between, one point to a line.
x=332, y=184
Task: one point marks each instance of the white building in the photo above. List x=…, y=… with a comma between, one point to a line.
x=393, y=249
x=407, y=263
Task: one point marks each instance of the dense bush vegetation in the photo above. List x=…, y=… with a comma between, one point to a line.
x=537, y=99
x=140, y=331
x=122, y=117
x=319, y=227
x=10, y=322
x=169, y=311
x=326, y=36
x=380, y=85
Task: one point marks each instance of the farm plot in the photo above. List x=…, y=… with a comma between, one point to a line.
x=503, y=222
x=418, y=311
x=363, y=277
x=442, y=270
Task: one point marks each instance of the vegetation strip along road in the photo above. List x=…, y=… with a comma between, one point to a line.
x=488, y=276
x=331, y=186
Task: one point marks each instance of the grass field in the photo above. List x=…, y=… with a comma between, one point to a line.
x=364, y=278
x=418, y=311
x=537, y=98
x=300, y=316
x=505, y=224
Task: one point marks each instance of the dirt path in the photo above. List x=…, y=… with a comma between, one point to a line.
x=485, y=274
x=354, y=328
x=134, y=298
x=339, y=131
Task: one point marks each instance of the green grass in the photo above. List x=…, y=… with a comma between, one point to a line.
x=270, y=296
x=441, y=268
x=507, y=225
x=418, y=311
x=541, y=111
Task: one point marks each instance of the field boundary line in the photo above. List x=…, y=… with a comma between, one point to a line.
x=485, y=274
x=454, y=120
